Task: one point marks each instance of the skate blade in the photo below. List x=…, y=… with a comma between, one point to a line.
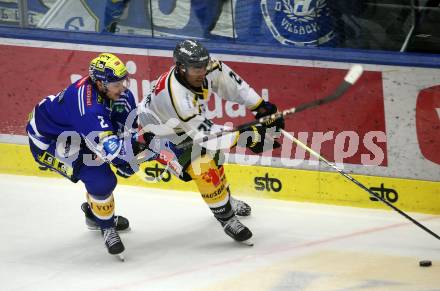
x=120, y=257
x=248, y=243
x=93, y=228
x=243, y=214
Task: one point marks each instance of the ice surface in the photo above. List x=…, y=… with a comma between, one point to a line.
x=176, y=244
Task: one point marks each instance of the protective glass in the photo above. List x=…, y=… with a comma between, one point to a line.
x=122, y=84
x=194, y=71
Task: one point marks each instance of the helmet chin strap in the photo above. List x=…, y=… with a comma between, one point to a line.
x=105, y=89
x=105, y=85
x=184, y=76
x=181, y=67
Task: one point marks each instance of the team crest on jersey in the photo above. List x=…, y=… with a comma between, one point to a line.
x=211, y=176
x=299, y=22
x=119, y=108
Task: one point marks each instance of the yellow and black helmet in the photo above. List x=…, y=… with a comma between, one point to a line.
x=107, y=68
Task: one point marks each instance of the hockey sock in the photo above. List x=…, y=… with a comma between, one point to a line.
x=103, y=208
x=211, y=182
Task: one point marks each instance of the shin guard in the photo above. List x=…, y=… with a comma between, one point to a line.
x=211, y=182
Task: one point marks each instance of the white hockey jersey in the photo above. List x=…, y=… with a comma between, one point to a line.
x=172, y=109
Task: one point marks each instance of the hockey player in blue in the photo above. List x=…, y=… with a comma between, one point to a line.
x=83, y=129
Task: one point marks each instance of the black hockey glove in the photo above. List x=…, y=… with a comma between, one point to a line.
x=256, y=139
x=267, y=108
x=124, y=170
x=138, y=147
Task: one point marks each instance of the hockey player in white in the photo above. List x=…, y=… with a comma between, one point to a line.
x=176, y=107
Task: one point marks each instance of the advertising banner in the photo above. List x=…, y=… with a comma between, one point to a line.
x=386, y=125
x=287, y=22
x=9, y=12
x=354, y=124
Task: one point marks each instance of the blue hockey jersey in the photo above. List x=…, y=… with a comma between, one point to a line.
x=79, y=119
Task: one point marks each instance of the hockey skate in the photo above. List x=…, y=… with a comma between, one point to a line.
x=235, y=229
x=240, y=208
x=121, y=222
x=113, y=242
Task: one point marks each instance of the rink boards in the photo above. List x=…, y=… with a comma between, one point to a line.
x=384, y=130
x=386, y=125
x=269, y=182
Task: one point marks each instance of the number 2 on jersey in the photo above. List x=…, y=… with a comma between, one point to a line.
x=102, y=122
x=235, y=77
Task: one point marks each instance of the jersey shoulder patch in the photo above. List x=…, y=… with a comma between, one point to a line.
x=161, y=82
x=214, y=65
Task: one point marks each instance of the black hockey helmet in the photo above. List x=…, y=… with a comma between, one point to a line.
x=191, y=53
